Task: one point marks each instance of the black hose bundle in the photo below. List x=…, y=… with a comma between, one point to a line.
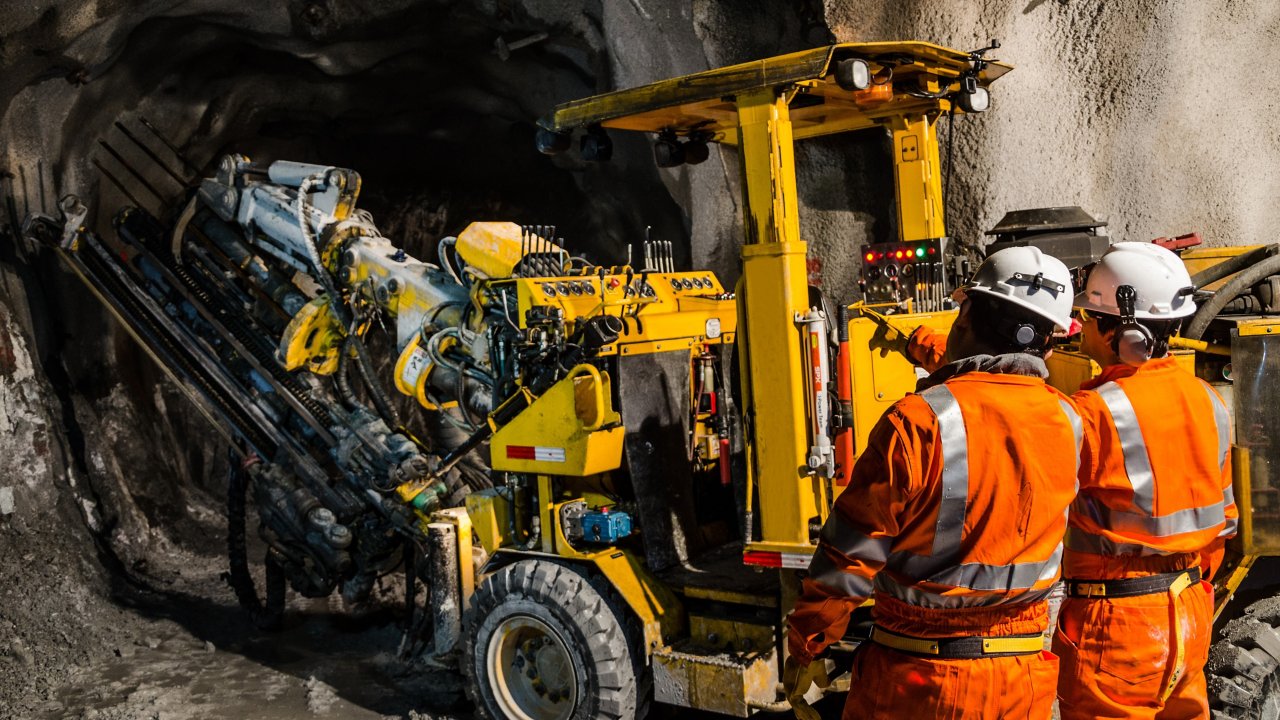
x=1234, y=265
x=265, y=615
x=1244, y=280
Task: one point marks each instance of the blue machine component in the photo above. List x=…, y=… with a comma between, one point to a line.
x=604, y=526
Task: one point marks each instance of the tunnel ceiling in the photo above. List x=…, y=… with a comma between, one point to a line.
x=415, y=96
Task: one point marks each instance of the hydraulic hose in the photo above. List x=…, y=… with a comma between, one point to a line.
x=1234, y=265
x=265, y=615
x=376, y=393
x=345, y=391
x=1244, y=280
x=365, y=365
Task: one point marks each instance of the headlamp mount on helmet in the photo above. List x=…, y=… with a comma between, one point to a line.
x=1038, y=281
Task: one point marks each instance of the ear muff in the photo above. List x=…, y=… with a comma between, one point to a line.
x=1132, y=341
x=1022, y=335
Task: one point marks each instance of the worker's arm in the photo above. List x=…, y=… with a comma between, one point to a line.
x=927, y=347
x=1211, y=557
x=856, y=538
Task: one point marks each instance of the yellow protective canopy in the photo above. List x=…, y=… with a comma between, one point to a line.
x=704, y=102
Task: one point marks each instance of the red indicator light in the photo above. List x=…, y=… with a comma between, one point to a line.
x=871, y=256
x=933, y=251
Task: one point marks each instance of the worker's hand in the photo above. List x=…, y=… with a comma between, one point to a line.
x=796, y=679
x=890, y=338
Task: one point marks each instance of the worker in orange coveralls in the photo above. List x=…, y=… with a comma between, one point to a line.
x=1150, y=525
x=1155, y=504
x=954, y=519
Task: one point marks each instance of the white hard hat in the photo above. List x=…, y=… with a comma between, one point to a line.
x=1157, y=275
x=1028, y=278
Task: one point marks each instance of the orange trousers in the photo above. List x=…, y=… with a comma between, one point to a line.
x=891, y=685
x=1120, y=656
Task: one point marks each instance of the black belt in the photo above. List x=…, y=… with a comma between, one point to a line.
x=1132, y=587
x=961, y=648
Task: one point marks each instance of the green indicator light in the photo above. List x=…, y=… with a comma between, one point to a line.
x=920, y=252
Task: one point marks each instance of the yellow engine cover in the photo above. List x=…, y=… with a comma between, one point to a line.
x=494, y=248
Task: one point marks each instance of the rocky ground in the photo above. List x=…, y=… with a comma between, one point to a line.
x=207, y=661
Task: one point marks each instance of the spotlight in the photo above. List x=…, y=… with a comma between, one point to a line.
x=853, y=74
x=972, y=98
x=696, y=151
x=974, y=102
x=667, y=151
x=551, y=142
x=596, y=145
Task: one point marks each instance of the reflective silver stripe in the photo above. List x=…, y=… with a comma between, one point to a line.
x=1222, y=419
x=1232, y=524
x=822, y=570
x=976, y=576
x=1175, y=523
x=1077, y=427
x=1078, y=540
x=949, y=531
x=842, y=537
x=923, y=598
x=1137, y=464
x=1000, y=578
x=1229, y=529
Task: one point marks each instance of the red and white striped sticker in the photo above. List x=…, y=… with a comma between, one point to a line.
x=536, y=453
x=765, y=558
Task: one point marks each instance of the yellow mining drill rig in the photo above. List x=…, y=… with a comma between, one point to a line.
x=663, y=450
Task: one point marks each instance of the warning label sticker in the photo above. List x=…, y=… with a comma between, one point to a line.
x=413, y=367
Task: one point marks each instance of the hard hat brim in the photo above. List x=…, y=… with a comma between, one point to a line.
x=1013, y=300
x=1082, y=302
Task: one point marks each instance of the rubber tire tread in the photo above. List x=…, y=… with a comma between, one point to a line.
x=585, y=600
x=1239, y=668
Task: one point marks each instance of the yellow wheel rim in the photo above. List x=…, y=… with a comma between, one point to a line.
x=530, y=671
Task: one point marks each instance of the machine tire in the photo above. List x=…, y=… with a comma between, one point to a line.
x=583, y=617
x=1242, y=673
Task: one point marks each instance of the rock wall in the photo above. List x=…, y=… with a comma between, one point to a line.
x=1155, y=114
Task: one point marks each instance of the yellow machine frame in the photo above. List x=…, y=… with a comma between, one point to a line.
x=754, y=107
x=763, y=108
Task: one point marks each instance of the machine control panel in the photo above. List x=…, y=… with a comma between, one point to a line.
x=901, y=272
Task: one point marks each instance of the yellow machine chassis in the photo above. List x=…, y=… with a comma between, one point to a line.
x=762, y=108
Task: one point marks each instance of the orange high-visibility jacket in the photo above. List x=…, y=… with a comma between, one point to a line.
x=955, y=512
x=927, y=348
x=1155, y=476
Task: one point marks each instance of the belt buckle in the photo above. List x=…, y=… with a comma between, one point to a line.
x=1091, y=589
